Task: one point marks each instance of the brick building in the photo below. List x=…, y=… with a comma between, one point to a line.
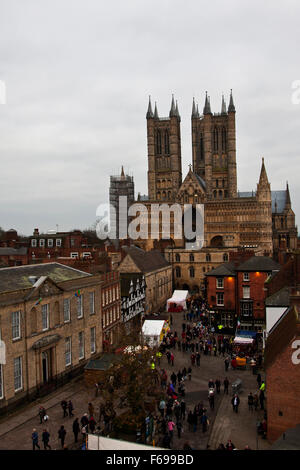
x=51, y=323
x=111, y=309
x=282, y=363
x=236, y=290
x=157, y=272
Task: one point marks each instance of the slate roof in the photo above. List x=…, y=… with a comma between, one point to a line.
x=259, y=263
x=279, y=299
x=225, y=269
x=17, y=277
x=278, y=196
x=146, y=261
x=201, y=181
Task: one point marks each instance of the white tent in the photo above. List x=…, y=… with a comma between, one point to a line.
x=179, y=298
x=243, y=340
x=105, y=443
x=152, y=331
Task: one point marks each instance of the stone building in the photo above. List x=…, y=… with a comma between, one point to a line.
x=157, y=272
x=51, y=324
x=122, y=185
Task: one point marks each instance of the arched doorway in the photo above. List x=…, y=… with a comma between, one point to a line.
x=216, y=241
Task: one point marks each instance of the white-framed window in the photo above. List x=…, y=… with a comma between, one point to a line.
x=246, y=277
x=220, y=298
x=58, y=242
x=118, y=312
x=246, y=292
x=220, y=282
x=114, y=313
x=92, y=302
x=109, y=295
x=86, y=254
x=93, y=340
x=81, y=344
x=80, y=306
x=110, y=316
x=50, y=242
x=68, y=351
x=106, y=297
x=74, y=254
x=18, y=373
x=42, y=242
x=103, y=299
x=114, y=293
x=67, y=310
x=16, y=325
x=45, y=317
x=33, y=243
x=1, y=383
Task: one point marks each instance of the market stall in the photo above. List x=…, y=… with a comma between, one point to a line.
x=177, y=303
x=154, y=331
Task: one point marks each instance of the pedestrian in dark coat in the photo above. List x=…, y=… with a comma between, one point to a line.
x=70, y=408
x=92, y=424
x=45, y=439
x=76, y=429
x=235, y=403
x=62, y=435
x=226, y=385
x=179, y=428
x=64, y=406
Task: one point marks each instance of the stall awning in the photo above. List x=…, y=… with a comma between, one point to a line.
x=246, y=333
x=243, y=340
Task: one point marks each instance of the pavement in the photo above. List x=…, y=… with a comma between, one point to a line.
x=16, y=429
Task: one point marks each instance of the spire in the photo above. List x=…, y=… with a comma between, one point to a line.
x=194, y=110
x=155, y=112
x=177, y=111
x=206, y=109
x=149, y=114
x=288, y=204
x=172, y=112
x=223, y=109
x=263, y=174
x=198, y=115
x=231, y=107
x=122, y=173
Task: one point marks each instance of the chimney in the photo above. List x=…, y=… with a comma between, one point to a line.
x=36, y=232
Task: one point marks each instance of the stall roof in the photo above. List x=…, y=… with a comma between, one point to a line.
x=243, y=340
x=152, y=327
x=246, y=333
x=179, y=296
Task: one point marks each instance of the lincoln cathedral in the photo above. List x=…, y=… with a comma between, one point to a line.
x=262, y=221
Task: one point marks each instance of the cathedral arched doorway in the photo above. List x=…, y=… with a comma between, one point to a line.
x=216, y=241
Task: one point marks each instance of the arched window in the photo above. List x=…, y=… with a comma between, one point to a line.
x=178, y=271
x=225, y=257
x=217, y=183
x=167, y=143
x=177, y=258
x=215, y=194
x=192, y=271
x=215, y=139
x=158, y=142
x=208, y=257
x=164, y=195
x=158, y=195
x=220, y=193
x=191, y=258
x=201, y=147
x=169, y=195
x=223, y=139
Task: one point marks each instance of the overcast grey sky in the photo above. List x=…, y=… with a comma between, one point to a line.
x=78, y=74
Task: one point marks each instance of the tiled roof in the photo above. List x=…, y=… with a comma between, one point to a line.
x=146, y=261
x=16, y=278
x=279, y=299
x=259, y=263
x=225, y=269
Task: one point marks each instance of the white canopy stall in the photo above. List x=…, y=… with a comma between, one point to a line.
x=178, y=298
x=153, y=331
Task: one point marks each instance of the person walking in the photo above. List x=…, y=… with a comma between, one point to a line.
x=218, y=385
x=179, y=428
x=204, y=422
x=226, y=362
x=42, y=413
x=92, y=424
x=171, y=426
x=250, y=401
x=64, y=406
x=91, y=409
x=255, y=401
x=62, y=435
x=198, y=359
x=161, y=407
x=46, y=439
x=35, y=439
x=76, y=428
x=258, y=380
x=172, y=359
x=182, y=409
x=226, y=385
x=70, y=408
x=211, y=400
x=235, y=403
x=261, y=399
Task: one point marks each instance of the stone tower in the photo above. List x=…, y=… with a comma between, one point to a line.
x=164, y=154
x=214, y=149
x=264, y=211
x=122, y=185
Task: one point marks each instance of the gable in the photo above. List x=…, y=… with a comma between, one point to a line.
x=44, y=287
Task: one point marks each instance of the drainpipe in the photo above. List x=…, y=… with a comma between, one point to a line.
x=26, y=349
